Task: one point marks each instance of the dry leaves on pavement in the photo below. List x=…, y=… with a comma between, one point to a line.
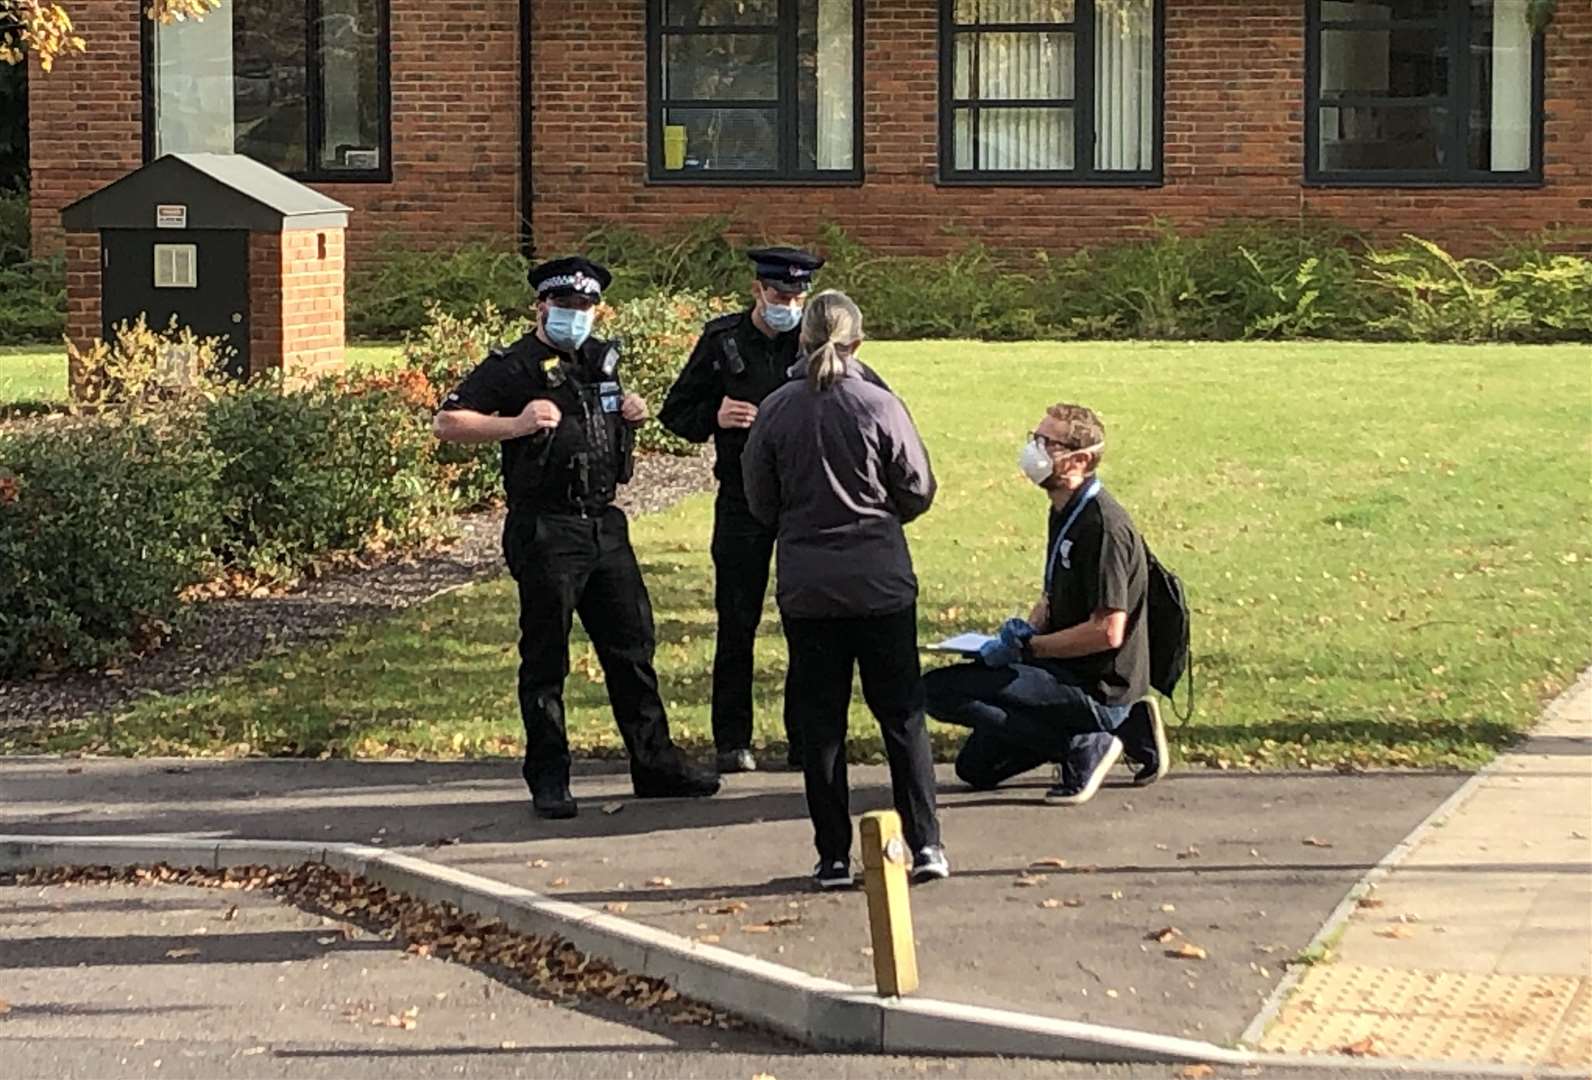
x=1164, y=935
x=1048, y=864
x=1366, y=1047
x=1311, y=841
x=1195, y=1072
x=1187, y=951
x=1397, y=933
x=180, y=954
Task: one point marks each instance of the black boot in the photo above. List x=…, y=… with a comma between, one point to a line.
x=552, y=800
x=683, y=782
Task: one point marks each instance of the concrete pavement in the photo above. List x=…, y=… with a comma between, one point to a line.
x=1243, y=866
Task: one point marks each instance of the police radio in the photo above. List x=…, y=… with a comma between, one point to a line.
x=733, y=363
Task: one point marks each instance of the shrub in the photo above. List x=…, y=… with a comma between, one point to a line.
x=389, y=294
x=658, y=333
x=32, y=291
x=143, y=369
x=102, y=522
x=697, y=257
x=335, y=467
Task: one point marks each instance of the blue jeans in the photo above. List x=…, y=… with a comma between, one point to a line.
x=1023, y=717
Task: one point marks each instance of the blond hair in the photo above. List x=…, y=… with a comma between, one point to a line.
x=831, y=322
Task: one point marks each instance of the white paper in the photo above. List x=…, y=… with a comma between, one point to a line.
x=968, y=644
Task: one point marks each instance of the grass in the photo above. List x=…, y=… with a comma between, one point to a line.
x=37, y=373
x=1387, y=549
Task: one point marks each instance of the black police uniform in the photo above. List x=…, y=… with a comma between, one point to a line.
x=568, y=549
x=735, y=359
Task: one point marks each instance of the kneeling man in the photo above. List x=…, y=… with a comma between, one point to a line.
x=1064, y=686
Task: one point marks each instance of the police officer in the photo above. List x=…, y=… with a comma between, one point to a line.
x=554, y=401
x=739, y=360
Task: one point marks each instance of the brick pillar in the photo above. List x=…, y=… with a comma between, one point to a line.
x=83, y=319
x=312, y=302
x=265, y=302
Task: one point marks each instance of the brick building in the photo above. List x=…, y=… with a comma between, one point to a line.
x=1029, y=123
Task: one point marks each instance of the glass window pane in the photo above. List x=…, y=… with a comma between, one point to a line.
x=193, y=85
x=1372, y=138
x=721, y=12
x=971, y=12
x=1014, y=139
x=720, y=140
x=1382, y=11
x=826, y=108
x=1502, y=63
x=350, y=41
x=1010, y=65
x=269, y=86
x=1384, y=63
x=1125, y=86
x=725, y=67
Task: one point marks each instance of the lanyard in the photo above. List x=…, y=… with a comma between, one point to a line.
x=1084, y=498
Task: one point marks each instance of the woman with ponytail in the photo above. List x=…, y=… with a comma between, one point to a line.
x=835, y=466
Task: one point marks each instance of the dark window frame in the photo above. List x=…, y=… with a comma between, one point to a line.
x=313, y=172
x=1456, y=28
x=786, y=27
x=1082, y=103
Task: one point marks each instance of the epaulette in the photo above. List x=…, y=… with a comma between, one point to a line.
x=724, y=322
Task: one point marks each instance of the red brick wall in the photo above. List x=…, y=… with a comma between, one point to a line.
x=296, y=302
x=1234, y=125
x=84, y=321
x=455, y=99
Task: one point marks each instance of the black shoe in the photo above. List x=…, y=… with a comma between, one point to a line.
x=930, y=864
x=686, y=783
x=734, y=761
x=552, y=800
x=1144, y=742
x=833, y=874
x=1087, y=764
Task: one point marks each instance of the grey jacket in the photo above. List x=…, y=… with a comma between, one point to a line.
x=837, y=472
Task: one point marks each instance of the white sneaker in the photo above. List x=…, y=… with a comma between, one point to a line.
x=1070, y=795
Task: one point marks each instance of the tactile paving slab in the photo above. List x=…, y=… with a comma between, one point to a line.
x=1437, y=1016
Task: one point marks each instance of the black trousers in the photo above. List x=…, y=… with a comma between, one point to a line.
x=566, y=565
x=818, y=689
x=742, y=548
x=1023, y=716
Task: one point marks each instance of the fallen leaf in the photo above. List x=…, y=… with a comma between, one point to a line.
x=326, y=940
x=1187, y=951
x=508, y=1044
x=1311, y=841
x=1195, y=1072
x=1368, y=902
x=253, y=1050
x=232, y=913
x=1052, y=902
x=558, y=882
x=1168, y=908
x=1114, y=894
x=178, y=954
x=613, y=808
x=785, y=920
x=734, y=907
x=1028, y=881
x=1397, y=933
x=660, y=882
x=709, y=939
x=1190, y=852
x=1366, y=1047
x=1074, y=901
x=757, y=928
x=538, y=864
x=1048, y=864
x=619, y=907
x=1164, y=935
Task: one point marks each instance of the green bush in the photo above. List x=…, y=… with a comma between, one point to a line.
x=32, y=291
x=102, y=523
x=697, y=258
x=658, y=333
x=390, y=292
x=331, y=468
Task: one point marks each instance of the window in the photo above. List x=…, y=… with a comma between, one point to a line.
x=754, y=89
x=1444, y=91
x=1058, y=90
x=299, y=85
x=174, y=266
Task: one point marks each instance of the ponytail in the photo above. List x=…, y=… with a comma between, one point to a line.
x=831, y=323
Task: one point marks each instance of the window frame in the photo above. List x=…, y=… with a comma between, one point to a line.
x=313, y=172
x=785, y=103
x=1455, y=26
x=1082, y=103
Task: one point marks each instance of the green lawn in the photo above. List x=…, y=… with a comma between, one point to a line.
x=38, y=372
x=1387, y=549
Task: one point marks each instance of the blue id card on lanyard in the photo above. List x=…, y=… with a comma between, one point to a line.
x=1083, y=500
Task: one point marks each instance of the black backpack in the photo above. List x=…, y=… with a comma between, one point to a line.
x=1168, y=632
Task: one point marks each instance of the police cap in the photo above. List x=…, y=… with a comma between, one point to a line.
x=786, y=268
x=573, y=276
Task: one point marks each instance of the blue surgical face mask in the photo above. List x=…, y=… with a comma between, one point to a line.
x=782, y=317
x=568, y=328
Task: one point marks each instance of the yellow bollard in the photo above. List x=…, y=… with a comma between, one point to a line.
x=885, y=862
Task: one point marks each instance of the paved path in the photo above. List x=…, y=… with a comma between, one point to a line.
x=1477, y=944
x=91, y=989
x=1243, y=866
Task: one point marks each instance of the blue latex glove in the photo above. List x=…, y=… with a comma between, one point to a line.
x=1017, y=631
x=999, y=652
